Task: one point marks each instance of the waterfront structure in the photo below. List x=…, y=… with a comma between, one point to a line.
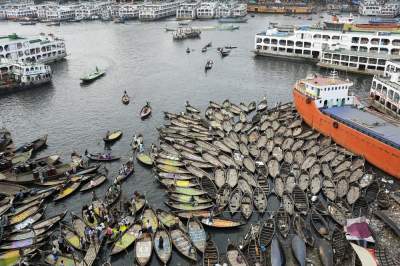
x=379, y=8
x=155, y=11
x=128, y=11
x=385, y=89
x=187, y=10
x=16, y=75
x=207, y=10
x=362, y=51
x=231, y=9
x=60, y=13
x=326, y=105
x=20, y=11
x=42, y=48
x=279, y=8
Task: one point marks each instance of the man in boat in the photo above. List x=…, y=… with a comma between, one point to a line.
x=161, y=243
x=107, y=134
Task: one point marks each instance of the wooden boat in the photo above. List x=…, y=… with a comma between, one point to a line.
x=223, y=196
x=86, y=219
x=197, y=234
x=235, y=256
x=209, y=65
x=143, y=249
x=71, y=237
x=325, y=251
x=149, y=219
x=164, y=253
x=113, y=136
x=259, y=200
x=211, y=254
x=208, y=185
x=125, y=99
x=20, y=217
x=299, y=250
x=235, y=201
x=178, y=183
x=168, y=219
x=25, y=234
x=282, y=221
x=22, y=208
x=262, y=105
x=187, y=191
x=189, y=199
x=300, y=200
x=188, y=214
x=99, y=157
x=144, y=159
x=67, y=259
x=183, y=244
x=277, y=253
x=30, y=176
x=170, y=162
x=138, y=203
x=21, y=157
x=78, y=225
x=189, y=206
x=253, y=252
x=172, y=169
x=339, y=244
x=246, y=206
x=95, y=182
x=303, y=230
x=191, y=109
x=267, y=232
x=93, y=76
x=127, y=239
x=67, y=190
x=22, y=244
x=47, y=223
x=217, y=222
x=35, y=145
x=174, y=176
x=320, y=224
x=145, y=111
x=112, y=194
x=11, y=189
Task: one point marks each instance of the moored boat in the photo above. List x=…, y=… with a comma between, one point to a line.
x=145, y=112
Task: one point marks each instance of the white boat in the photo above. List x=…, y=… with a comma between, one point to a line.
x=22, y=75
x=42, y=48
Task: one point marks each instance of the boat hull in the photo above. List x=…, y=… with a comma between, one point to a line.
x=379, y=154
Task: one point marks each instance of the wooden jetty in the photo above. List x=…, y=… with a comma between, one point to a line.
x=91, y=254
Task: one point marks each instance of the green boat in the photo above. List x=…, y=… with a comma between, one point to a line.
x=93, y=76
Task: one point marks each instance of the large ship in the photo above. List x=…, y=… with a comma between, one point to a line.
x=326, y=105
x=22, y=75
x=42, y=48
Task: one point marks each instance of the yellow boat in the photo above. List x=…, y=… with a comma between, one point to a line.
x=67, y=191
x=149, y=218
x=172, y=169
x=144, y=158
x=72, y=238
x=23, y=215
x=113, y=136
x=126, y=239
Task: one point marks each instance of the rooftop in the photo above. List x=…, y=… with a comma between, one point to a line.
x=325, y=81
x=367, y=123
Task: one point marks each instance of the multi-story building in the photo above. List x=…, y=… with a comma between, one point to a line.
x=20, y=11
x=128, y=11
x=61, y=13
x=187, y=10
x=158, y=10
x=379, y=8
x=207, y=10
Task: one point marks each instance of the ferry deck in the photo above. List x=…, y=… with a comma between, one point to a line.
x=367, y=123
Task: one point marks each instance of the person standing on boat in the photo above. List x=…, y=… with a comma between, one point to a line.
x=161, y=243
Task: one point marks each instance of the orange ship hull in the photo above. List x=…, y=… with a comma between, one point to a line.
x=377, y=153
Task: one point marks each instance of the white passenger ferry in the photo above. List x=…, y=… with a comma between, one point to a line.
x=358, y=51
x=22, y=75
x=385, y=89
x=42, y=48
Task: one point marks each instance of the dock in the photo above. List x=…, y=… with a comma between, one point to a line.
x=91, y=254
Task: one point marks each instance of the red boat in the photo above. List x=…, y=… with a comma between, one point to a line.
x=325, y=105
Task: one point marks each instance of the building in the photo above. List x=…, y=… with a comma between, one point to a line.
x=187, y=10
x=207, y=10
x=379, y=8
x=231, y=9
x=128, y=11
x=60, y=13
x=159, y=10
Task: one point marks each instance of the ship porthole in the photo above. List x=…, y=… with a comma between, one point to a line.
x=335, y=124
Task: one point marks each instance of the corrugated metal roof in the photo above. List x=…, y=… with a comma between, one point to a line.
x=367, y=123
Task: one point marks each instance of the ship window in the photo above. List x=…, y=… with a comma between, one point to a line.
x=266, y=40
x=259, y=40
x=326, y=37
x=282, y=42
x=354, y=48
x=385, y=41
x=390, y=94
x=1, y=49
x=290, y=43
x=381, y=62
x=282, y=49
x=353, y=58
x=298, y=51
x=274, y=41
x=371, y=67
x=355, y=40
x=307, y=52
x=384, y=50
x=374, y=84
x=379, y=87
x=396, y=98
x=372, y=61
x=299, y=44
x=384, y=91
x=375, y=41
x=396, y=42
x=335, y=37
x=290, y=50
x=307, y=45
x=395, y=51
x=364, y=40
x=317, y=36
x=363, y=49
x=363, y=60
x=345, y=57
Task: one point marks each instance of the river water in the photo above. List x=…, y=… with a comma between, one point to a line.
x=142, y=59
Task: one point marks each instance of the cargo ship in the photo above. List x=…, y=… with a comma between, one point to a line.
x=326, y=105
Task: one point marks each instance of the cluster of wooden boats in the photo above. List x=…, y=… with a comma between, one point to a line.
x=220, y=169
